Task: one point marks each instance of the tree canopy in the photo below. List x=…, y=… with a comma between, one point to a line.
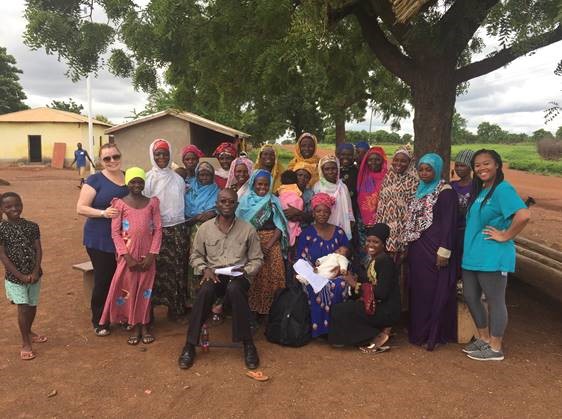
x=273, y=64
x=11, y=92
x=69, y=106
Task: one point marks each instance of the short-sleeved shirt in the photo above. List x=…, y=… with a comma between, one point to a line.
x=18, y=240
x=97, y=231
x=80, y=156
x=485, y=255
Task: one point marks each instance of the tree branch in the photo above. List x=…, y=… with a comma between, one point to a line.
x=507, y=55
x=461, y=21
x=388, y=54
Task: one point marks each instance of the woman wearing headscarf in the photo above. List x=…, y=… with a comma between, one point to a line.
x=268, y=160
x=225, y=153
x=331, y=184
x=239, y=174
x=305, y=154
x=262, y=209
x=463, y=187
x=200, y=204
x=361, y=149
x=431, y=233
x=170, y=287
x=397, y=192
x=351, y=324
x=369, y=182
x=321, y=239
x=190, y=156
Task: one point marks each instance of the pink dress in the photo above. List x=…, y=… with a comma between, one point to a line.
x=137, y=232
x=293, y=199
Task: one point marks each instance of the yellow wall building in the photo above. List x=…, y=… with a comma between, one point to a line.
x=28, y=136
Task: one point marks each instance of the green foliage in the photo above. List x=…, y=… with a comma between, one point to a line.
x=559, y=133
x=11, y=92
x=103, y=118
x=69, y=106
x=542, y=134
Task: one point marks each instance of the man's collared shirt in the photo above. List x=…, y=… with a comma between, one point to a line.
x=214, y=249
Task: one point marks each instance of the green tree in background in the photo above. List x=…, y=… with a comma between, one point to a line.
x=69, y=106
x=103, y=118
x=431, y=53
x=542, y=134
x=11, y=92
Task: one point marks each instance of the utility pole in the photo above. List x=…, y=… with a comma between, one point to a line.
x=90, y=123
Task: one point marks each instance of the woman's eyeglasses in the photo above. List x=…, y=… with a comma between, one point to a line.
x=115, y=157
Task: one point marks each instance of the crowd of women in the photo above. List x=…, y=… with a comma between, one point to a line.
x=398, y=223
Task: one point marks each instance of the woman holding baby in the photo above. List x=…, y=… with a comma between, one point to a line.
x=316, y=241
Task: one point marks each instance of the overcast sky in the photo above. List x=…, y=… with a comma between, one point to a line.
x=514, y=97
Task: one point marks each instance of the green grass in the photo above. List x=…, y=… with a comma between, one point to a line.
x=522, y=156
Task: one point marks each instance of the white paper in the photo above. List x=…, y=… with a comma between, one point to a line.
x=229, y=271
x=303, y=268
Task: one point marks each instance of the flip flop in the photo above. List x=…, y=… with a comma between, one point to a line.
x=27, y=355
x=39, y=339
x=148, y=339
x=374, y=349
x=257, y=375
x=133, y=340
x=102, y=331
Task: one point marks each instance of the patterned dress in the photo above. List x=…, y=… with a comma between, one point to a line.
x=137, y=232
x=311, y=247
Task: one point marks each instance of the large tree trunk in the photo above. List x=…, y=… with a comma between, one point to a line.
x=434, y=95
x=339, y=120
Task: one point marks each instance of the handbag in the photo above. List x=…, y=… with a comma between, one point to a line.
x=368, y=297
x=368, y=290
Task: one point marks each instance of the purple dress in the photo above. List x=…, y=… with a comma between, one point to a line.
x=432, y=291
x=463, y=195
x=311, y=247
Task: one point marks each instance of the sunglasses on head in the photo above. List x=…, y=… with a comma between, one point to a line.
x=115, y=157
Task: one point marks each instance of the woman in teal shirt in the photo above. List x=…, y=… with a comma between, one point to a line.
x=496, y=214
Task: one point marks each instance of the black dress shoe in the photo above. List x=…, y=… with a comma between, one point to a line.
x=187, y=357
x=251, y=357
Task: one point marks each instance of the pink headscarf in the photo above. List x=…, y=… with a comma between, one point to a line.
x=369, y=184
x=322, y=198
x=241, y=189
x=192, y=149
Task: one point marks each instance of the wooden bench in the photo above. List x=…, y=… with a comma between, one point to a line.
x=88, y=279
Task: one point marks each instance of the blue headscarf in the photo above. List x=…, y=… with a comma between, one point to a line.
x=363, y=145
x=257, y=209
x=345, y=146
x=436, y=163
x=201, y=198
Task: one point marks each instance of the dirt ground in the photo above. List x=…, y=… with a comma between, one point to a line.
x=104, y=377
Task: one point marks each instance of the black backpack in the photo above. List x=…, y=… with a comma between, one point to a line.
x=289, y=318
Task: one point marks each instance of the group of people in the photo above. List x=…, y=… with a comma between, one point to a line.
x=204, y=239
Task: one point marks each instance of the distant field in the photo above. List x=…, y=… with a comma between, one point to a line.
x=519, y=156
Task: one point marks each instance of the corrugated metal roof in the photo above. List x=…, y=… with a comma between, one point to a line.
x=186, y=116
x=47, y=115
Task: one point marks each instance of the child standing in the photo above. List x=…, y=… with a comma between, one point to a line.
x=290, y=195
x=137, y=234
x=20, y=252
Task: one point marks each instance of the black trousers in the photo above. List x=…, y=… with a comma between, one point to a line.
x=235, y=292
x=104, y=264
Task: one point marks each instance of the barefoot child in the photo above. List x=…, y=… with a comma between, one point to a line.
x=137, y=234
x=20, y=252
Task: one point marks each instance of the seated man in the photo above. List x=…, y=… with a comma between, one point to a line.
x=221, y=242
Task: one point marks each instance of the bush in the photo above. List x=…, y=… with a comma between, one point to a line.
x=549, y=149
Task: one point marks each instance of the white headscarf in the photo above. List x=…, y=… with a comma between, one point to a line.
x=342, y=211
x=169, y=187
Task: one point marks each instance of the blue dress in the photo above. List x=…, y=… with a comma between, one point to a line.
x=311, y=247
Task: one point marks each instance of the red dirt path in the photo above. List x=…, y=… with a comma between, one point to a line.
x=105, y=377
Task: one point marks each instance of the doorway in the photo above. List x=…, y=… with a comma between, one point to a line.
x=34, y=142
